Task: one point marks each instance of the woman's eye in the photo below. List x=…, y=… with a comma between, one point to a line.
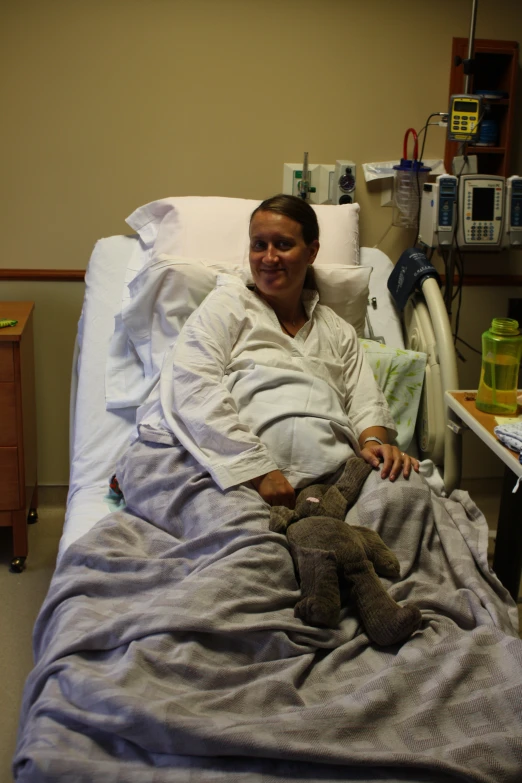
x=284, y=245
x=257, y=246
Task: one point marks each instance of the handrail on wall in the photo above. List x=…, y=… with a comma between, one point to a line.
x=78, y=275
x=68, y=275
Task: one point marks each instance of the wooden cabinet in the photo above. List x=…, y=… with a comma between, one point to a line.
x=495, y=73
x=18, y=484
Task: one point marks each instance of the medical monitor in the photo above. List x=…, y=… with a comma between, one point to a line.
x=480, y=212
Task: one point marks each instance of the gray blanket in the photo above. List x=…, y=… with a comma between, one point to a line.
x=167, y=648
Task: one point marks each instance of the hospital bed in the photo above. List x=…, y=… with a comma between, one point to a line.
x=71, y=728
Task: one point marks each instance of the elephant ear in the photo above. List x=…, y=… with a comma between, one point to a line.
x=280, y=518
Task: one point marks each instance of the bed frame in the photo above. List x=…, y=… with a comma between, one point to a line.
x=427, y=328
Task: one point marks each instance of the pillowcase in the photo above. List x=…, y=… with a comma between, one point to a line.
x=167, y=291
x=216, y=228
x=400, y=375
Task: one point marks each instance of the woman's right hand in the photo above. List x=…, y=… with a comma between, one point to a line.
x=275, y=489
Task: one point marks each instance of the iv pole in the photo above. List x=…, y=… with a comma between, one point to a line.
x=468, y=70
x=471, y=41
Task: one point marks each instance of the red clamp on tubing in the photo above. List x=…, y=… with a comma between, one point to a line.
x=415, y=145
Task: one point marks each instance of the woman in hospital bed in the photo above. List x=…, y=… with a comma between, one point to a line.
x=266, y=385
x=168, y=647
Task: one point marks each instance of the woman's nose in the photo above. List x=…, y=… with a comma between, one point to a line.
x=271, y=253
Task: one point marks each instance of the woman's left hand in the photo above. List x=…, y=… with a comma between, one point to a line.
x=393, y=460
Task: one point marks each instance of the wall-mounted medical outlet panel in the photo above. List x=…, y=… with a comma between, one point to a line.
x=320, y=180
x=343, y=184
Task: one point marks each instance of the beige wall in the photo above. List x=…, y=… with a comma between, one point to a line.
x=110, y=104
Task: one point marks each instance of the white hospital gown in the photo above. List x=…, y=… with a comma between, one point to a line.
x=244, y=398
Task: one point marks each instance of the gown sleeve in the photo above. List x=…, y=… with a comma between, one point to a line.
x=365, y=403
x=196, y=402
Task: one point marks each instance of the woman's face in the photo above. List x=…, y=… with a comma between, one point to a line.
x=279, y=255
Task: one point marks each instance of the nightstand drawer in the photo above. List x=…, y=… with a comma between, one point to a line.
x=8, y=430
x=6, y=362
x=9, y=482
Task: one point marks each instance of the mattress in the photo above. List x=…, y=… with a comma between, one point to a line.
x=97, y=435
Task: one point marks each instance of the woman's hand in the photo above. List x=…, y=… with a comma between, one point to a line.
x=393, y=460
x=275, y=489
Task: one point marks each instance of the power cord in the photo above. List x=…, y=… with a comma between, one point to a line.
x=424, y=129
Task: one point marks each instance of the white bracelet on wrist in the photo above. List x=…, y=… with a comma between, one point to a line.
x=372, y=437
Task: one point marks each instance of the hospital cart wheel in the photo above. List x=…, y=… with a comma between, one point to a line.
x=17, y=565
x=32, y=516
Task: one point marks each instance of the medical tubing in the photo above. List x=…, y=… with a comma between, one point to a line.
x=425, y=129
x=415, y=144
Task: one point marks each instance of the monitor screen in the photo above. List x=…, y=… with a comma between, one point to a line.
x=483, y=207
x=468, y=106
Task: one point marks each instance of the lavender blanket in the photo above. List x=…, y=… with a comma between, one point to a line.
x=167, y=648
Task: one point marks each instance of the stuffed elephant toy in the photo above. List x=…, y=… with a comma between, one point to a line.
x=325, y=549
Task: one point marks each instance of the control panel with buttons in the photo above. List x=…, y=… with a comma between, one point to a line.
x=465, y=114
x=481, y=211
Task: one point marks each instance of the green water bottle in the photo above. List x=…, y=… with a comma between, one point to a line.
x=501, y=353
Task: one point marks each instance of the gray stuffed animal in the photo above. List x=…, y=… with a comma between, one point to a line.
x=326, y=549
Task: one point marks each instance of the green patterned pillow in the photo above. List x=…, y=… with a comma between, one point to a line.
x=400, y=375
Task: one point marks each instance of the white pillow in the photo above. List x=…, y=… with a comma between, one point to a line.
x=167, y=291
x=216, y=228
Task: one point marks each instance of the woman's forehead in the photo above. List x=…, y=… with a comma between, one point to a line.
x=265, y=222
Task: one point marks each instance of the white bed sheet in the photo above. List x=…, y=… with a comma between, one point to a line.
x=99, y=436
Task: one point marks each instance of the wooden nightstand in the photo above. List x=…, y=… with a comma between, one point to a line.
x=18, y=485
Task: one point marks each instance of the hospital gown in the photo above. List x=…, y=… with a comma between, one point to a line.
x=245, y=399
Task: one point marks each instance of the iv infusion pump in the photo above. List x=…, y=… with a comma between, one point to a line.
x=438, y=211
x=484, y=210
x=480, y=210
x=513, y=228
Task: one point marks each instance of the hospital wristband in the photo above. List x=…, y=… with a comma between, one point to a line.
x=372, y=437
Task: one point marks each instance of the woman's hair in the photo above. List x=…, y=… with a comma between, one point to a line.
x=294, y=208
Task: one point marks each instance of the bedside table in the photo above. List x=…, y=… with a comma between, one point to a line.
x=507, y=560
x=18, y=485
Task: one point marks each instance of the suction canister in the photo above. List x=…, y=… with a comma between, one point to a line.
x=501, y=354
x=410, y=176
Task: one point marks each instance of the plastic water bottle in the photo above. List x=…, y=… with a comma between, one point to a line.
x=501, y=354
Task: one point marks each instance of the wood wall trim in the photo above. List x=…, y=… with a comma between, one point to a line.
x=68, y=275
x=78, y=275
x=495, y=281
